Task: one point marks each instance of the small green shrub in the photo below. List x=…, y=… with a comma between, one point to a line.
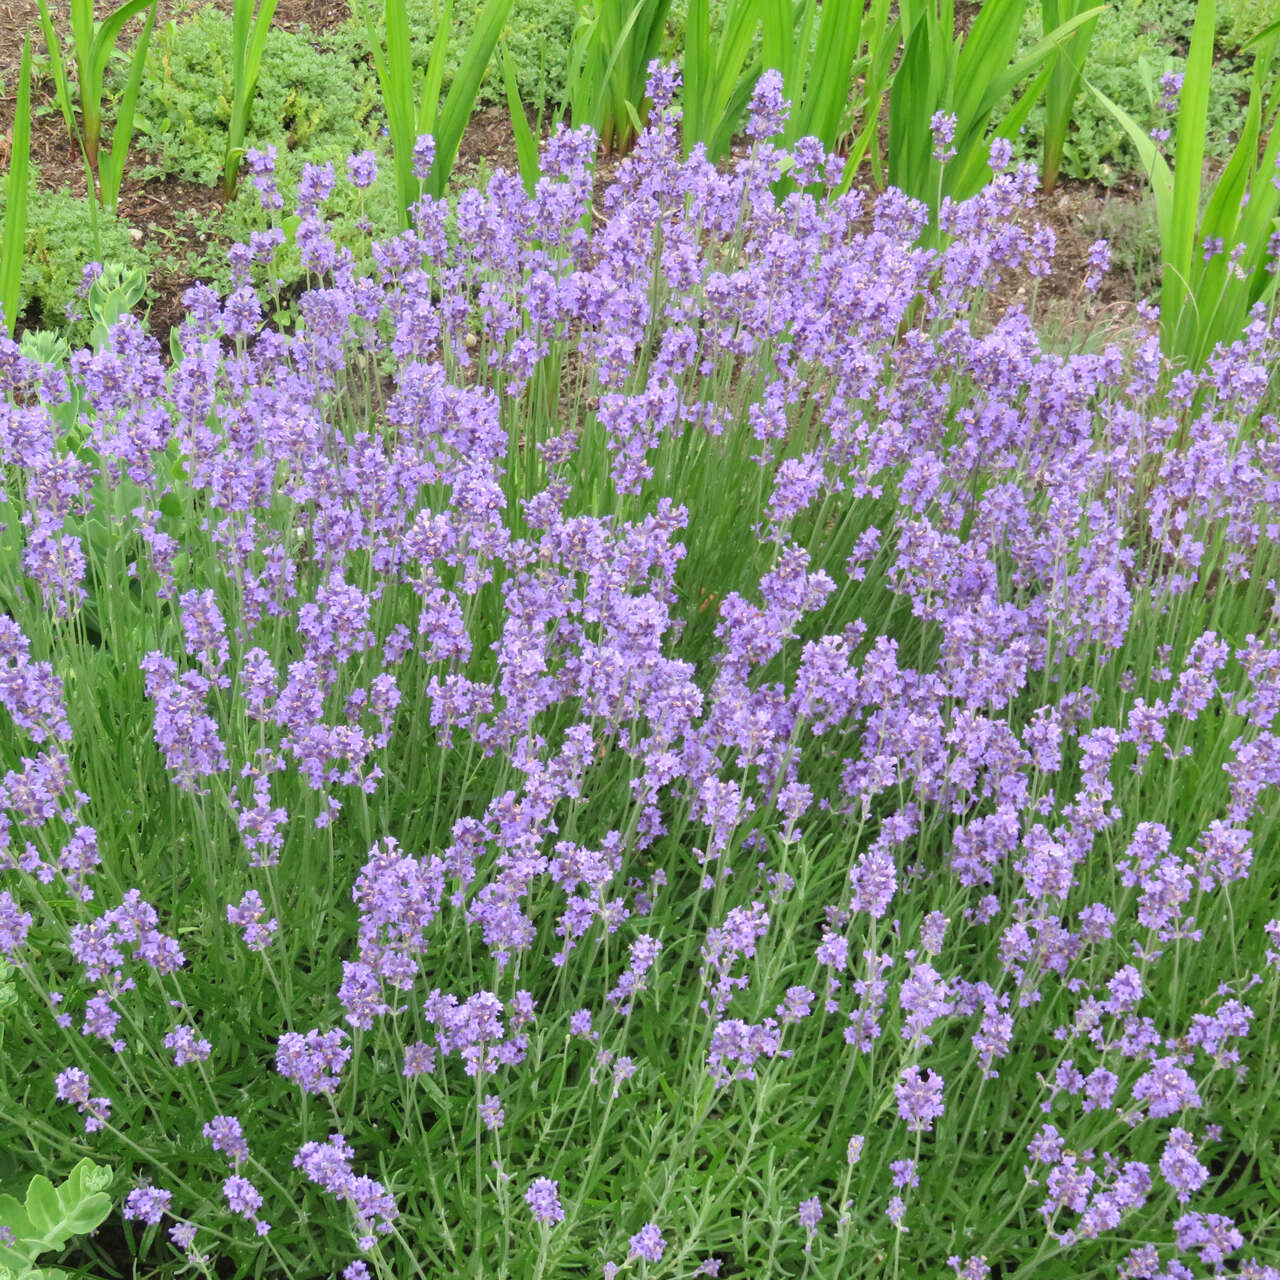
x=57, y=252
x=1241, y=20
x=309, y=100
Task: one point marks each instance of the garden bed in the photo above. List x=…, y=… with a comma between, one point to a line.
x=646, y=725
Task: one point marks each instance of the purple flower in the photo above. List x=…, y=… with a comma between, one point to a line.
x=242, y=1196
x=1179, y=1166
x=247, y=915
x=919, y=1099
x=186, y=1047
x=72, y=1085
x=1212, y=1235
x=972, y=1268
x=313, y=1061
x=491, y=1112
x=810, y=1214
x=648, y=1244
x=1166, y=1088
x=544, y=1201
x=149, y=1204
x=183, y=1235
x=943, y=127
x=769, y=109
x=225, y=1135
x=362, y=169
x=14, y=925
x=424, y=154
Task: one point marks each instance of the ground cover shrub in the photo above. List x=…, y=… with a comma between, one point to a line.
x=57, y=250
x=315, y=101
x=667, y=746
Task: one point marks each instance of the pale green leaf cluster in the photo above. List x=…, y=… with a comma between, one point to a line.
x=49, y=1217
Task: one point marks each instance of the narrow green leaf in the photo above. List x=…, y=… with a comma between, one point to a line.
x=461, y=100
x=247, y=47
x=698, y=73
x=12, y=250
x=1005, y=82
x=839, y=36
x=429, y=105
x=1158, y=171
x=912, y=101
x=526, y=143
x=969, y=172
x=986, y=53
x=1193, y=112
x=111, y=175
x=105, y=40
x=1266, y=33
x=1064, y=83
x=61, y=90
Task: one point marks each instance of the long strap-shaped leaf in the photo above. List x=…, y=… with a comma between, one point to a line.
x=698, y=73
x=986, y=53
x=93, y=67
x=732, y=79
x=58, y=69
x=111, y=174
x=1223, y=297
x=15, y=212
x=913, y=98
x=433, y=78
x=968, y=171
x=1064, y=83
x=839, y=35
x=461, y=99
x=526, y=143
x=1188, y=159
x=397, y=102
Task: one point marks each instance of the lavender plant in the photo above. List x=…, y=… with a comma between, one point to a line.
x=687, y=748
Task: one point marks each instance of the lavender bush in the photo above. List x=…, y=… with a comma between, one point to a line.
x=662, y=743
